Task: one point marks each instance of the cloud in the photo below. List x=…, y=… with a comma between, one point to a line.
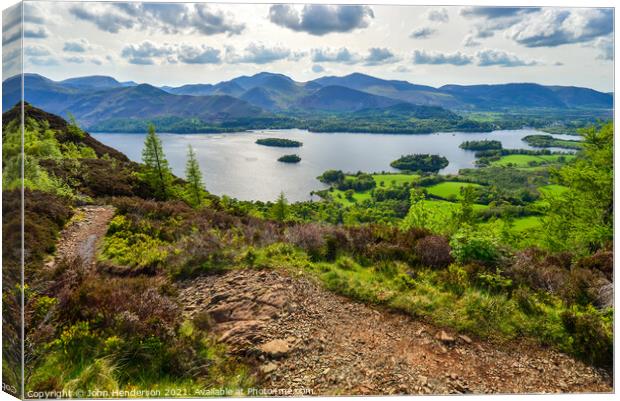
x=318, y=19
x=149, y=53
x=375, y=56
x=12, y=23
x=42, y=61
x=83, y=59
x=438, y=15
x=496, y=12
x=203, y=54
x=214, y=22
x=556, y=27
x=77, y=46
x=169, y=18
x=422, y=33
x=379, y=56
x=104, y=18
x=144, y=53
x=11, y=37
x=33, y=14
x=435, y=57
x=37, y=51
x=493, y=19
x=402, y=69
x=606, y=47
x=35, y=33
x=258, y=53
x=494, y=57
x=470, y=41
x=342, y=55
x=318, y=68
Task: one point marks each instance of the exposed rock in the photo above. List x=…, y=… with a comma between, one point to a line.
x=275, y=348
x=268, y=368
x=444, y=337
x=605, y=298
x=332, y=345
x=465, y=338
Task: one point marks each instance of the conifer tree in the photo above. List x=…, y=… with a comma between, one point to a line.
x=157, y=172
x=280, y=208
x=193, y=176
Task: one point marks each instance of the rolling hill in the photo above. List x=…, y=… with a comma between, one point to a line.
x=343, y=99
x=401, y=90
x=95, y=99
x=527, y=95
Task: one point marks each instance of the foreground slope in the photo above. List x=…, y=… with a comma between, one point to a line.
x=133, y=290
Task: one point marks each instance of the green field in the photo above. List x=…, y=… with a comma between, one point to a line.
x=526, y=223
x=391, y=180
x=339, y=196
x=523, y=161
x=443, y=206
x=449, y=190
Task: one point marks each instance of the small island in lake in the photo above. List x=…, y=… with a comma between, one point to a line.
x=484, y=144
x=420, y=162
x=290, y=159
x=279, y=142
x=547, y=141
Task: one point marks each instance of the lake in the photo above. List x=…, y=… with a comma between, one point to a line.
x=232, y=164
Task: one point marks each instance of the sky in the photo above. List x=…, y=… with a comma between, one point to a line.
x=180, y=43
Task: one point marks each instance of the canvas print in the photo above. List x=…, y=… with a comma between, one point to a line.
x=216, y=199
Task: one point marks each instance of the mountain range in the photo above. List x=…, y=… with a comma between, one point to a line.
x=95, y=99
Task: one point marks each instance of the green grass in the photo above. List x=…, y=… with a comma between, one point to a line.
x=340, y=197
x=449, y=190
x=443, y=206
x=523, y=161
x=391, y=180
x=526, y=223
x=451, y=297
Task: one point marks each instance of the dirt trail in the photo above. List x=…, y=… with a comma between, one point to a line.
x=81, y=236
x=305, y=337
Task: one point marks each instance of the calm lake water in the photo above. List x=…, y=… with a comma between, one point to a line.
x=234, y=165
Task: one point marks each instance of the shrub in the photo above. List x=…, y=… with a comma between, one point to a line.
x=455, y=279
x=494, y=282
x=98, y=376
x=77, y=341
x=592, y=337
x=532, y=268
x=527, y=301
x=309, y=237
x=475, y=246
x=602, y=260
x=433, y=251
x=386, y=251
x=346, y=263
x=581, y=286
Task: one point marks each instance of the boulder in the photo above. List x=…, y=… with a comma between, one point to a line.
x=275, y=348
x=444, y=337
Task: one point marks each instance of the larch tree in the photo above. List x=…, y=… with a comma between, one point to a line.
x=193, y=175
x=157, y=172
x=280, y=208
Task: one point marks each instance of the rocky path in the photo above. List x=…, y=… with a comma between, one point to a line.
x=310, y=340
x=81, y=236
